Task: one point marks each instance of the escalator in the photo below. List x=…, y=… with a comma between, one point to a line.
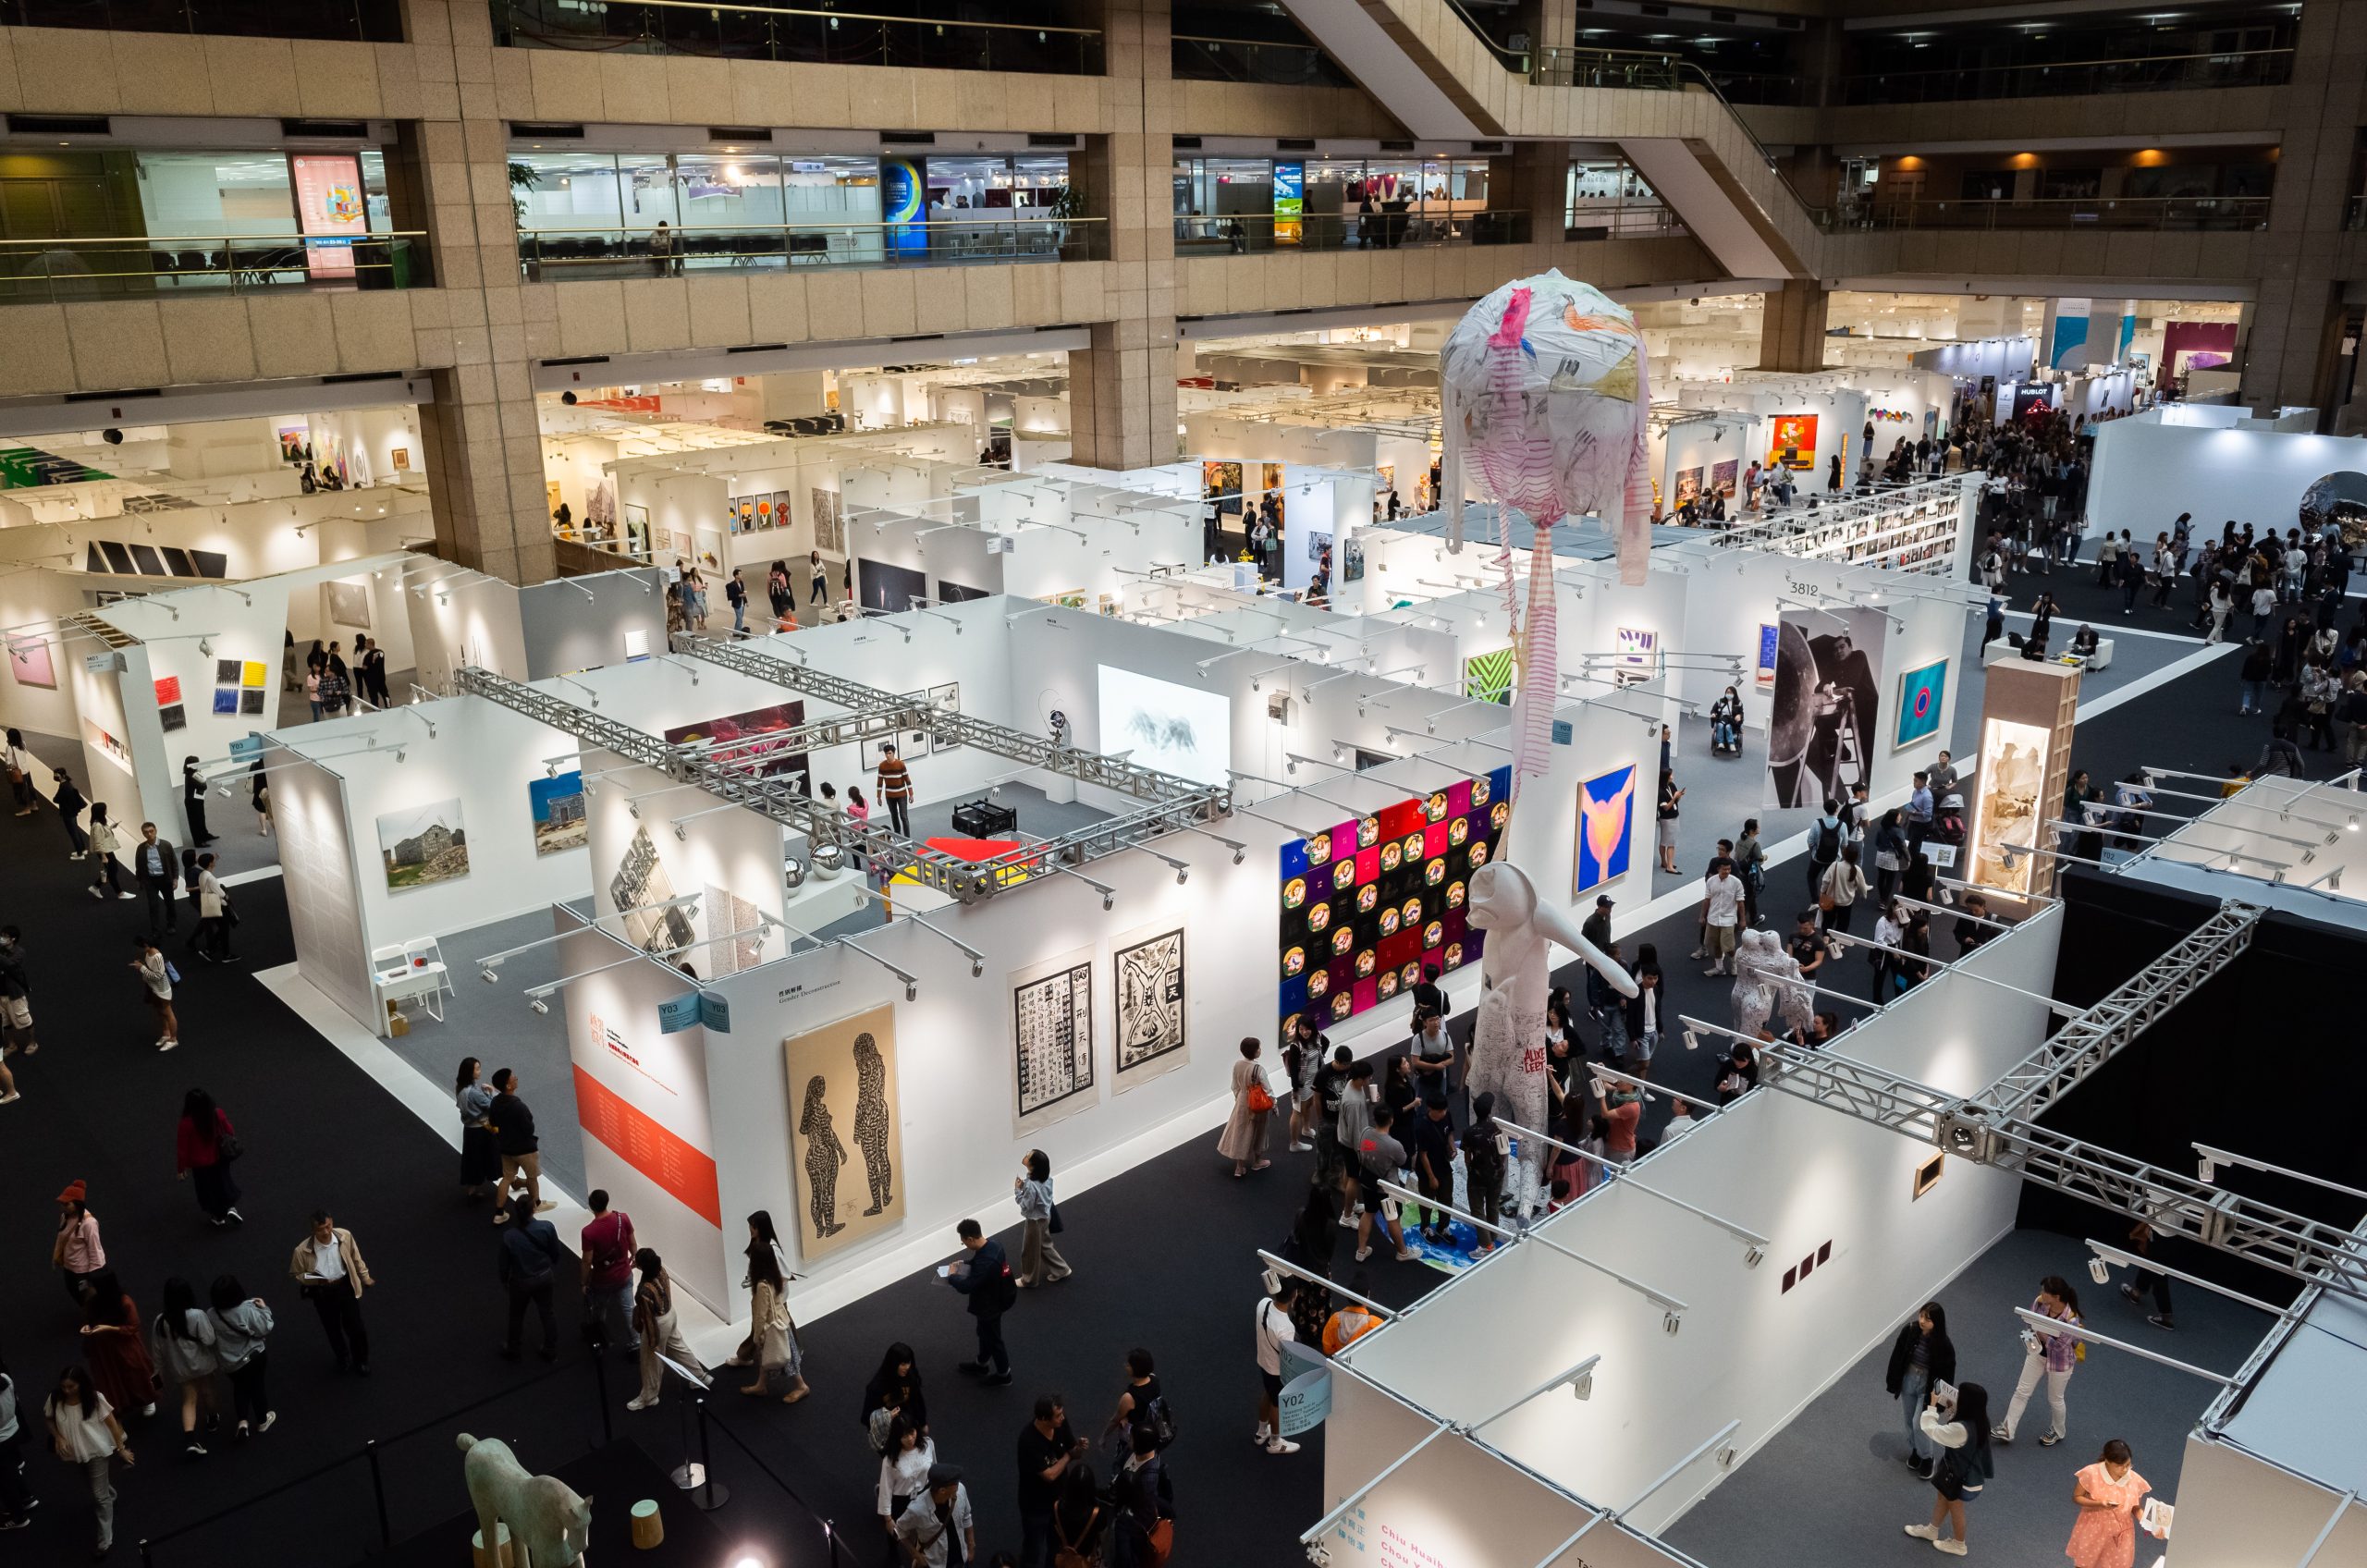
x=1431, y=67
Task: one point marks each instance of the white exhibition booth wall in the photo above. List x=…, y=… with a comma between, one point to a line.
x=2236, y=1510
x=692, y=497
x=2146, y=472
x=2007, y=359
x=1823, y=1185
x=570, y=624
x=1030, y=536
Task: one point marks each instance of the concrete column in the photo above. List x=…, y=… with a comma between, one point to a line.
x=480, y=442
x=1791, y=330
x=1533, y=179
x=2294, y=331
x=1121, y=388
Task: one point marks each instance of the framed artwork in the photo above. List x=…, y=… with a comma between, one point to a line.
x=636, y=644
x=168, y=690
x=1920, y=693
x=1768, y=638
x=1638, y=655
x=251, y=701
x=255, y=675
x=829, y=524
x=1052, y=1037
x=1606, y=828
x=1688, y=485
x=1489, y=676
x=1351, y=560
x=842, y=1077
x=1151, y=1000
x=29, y=662
x=2013, y=768
x=402, y=462
x=348, y=603
x=557, y=807
x=226, y=671
x=1723, y=477
x=946, y=699
x=1827, y=703
x=641, y=883
x=1365, y=905
x=1792, y=441
x=225, y=699
x=423, y=845
x=172, y=716
x=741, y=732
x=1316, y=544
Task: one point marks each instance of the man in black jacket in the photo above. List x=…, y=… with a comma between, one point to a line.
x=986, y=1278
x=157, y=866
x=513, y=1125
x=530, y=1259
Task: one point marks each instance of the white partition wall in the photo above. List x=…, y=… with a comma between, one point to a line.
x=1836, y=1195
x=458, y=619
x=2146, y=474
x=640, y=1096
x=652, y=840
x=612, y=618
x=322, y=875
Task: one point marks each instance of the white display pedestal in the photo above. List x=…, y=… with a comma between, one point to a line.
x=414, y=972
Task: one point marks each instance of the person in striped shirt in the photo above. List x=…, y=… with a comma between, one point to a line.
x=896, y=789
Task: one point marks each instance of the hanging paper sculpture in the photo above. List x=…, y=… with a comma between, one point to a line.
x=1546, y=393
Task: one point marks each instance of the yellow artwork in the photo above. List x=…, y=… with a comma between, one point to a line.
x=254, y=675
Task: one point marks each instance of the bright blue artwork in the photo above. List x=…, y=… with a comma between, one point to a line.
x=1919, y=691
x=1606, y=826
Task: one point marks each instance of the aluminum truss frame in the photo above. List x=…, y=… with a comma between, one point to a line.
x=2075, y=1053
x=1175, y=804
x=2290, y=1243
x=1171, y=804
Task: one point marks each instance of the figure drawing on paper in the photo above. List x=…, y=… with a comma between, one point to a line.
x=824, y=1155
x=871, y=1122
x=1150, y=999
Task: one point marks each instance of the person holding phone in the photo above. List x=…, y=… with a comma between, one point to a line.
x=1953, y=1421
x=2110, y=1495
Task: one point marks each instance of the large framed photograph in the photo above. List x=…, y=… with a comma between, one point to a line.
x=424, y=845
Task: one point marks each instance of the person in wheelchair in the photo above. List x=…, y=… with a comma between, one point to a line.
x=1725, y=724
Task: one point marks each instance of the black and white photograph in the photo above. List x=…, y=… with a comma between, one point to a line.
x=1827, y=703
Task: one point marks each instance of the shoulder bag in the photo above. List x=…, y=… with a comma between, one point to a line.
x=1068, y=1556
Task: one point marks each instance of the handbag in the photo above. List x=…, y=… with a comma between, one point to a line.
x=1260, y=1100
x=1053, y=1225
x=229, y=1148
x=1158, y=1544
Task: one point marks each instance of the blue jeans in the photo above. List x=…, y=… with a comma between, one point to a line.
x=2252, y=702
x=1913, y=1394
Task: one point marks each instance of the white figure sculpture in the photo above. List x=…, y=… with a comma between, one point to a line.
x=549, y=1526
x=1515, y=970
x=1753, y=995
x=1792, y=996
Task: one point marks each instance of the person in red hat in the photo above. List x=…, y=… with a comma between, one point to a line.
x=77, y=1252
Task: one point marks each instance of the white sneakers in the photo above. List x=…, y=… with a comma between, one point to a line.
x=1926, y=1533
x=167, y=1044
x=1407, y=1255
x=637, y=1402
x=1281, y=1445
x=1923, y=1532
x=1952, y=1548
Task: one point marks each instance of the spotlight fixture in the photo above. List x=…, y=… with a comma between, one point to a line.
x=977, y=968
x=633, y=809
x=681, y=834
x=1692, y=1041
x=206, y=646
x=487, y=976
x=1671, y=1323
x=2205, y=1170
x=1271, y=1280
x=1110, y=902
x=1582, y=1386
x=1753, y=1257
x=539, y=1005
x=912, y=991
x=2098, y=1270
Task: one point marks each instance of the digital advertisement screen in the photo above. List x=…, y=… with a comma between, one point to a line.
x=329, y=203
x=1365, y=905
x=1290, y=202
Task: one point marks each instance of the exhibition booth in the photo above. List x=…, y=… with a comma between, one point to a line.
x=2147, y=470
x=398, y=823
x=1723, y=1281
x=1803, y=422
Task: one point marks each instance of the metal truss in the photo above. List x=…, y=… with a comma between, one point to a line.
x=1175, y=804
x=2290, y=1243
x=2078, y=1049
x=1086, y=768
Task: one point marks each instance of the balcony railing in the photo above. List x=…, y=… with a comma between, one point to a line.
x=2160, y=73
x=2354, y=216
x=1194, y=58
x=373, y=21
x=166, y=264
x=1198, y=235
x=1559, y=66
x=2224, y=212
x=561, y=254
x=782, y=33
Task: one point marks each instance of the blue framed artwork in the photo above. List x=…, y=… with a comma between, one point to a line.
x=1768, y=638
x=225, y=699
x=1920, y=694
x=1606, y=828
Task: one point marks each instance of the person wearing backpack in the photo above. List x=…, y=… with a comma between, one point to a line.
x=1146, y=1528
x=1825, y=835
x=1138, y=1400
x=1273, y=1329
x=530, y=1252
x=985, y=1277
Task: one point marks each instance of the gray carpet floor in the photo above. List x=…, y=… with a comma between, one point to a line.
x=494, y=1024
x=1831, y=1489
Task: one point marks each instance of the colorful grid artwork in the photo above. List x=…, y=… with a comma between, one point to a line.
x=1366, y=905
